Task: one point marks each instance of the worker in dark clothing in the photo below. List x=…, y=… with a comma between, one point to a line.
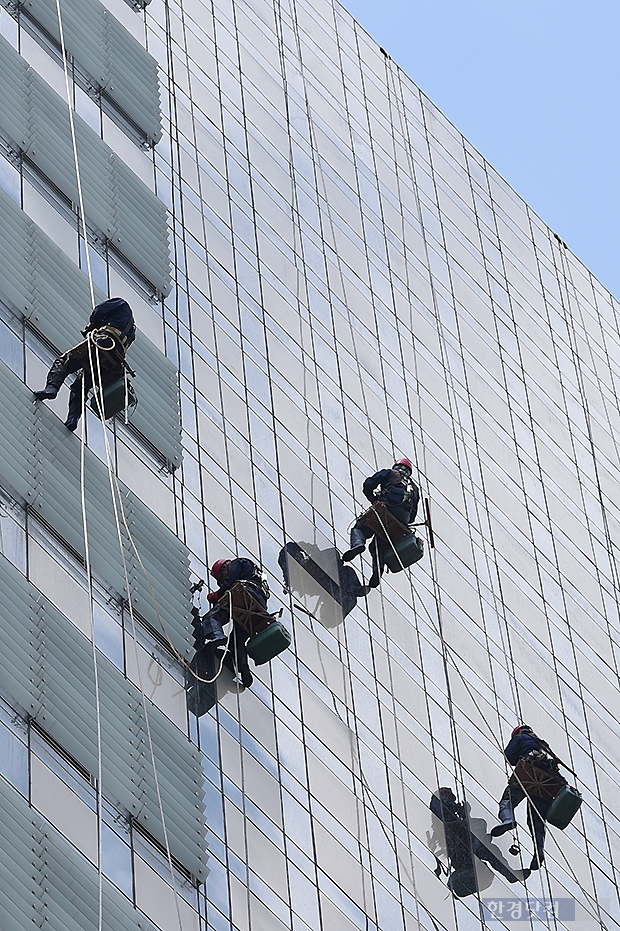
x=113, y=331
x=537, y=778
x=401, y=495
x=462, y=845
x=227, y=572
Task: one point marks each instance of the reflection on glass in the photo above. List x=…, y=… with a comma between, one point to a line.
x=467, y=846
x=327, y=589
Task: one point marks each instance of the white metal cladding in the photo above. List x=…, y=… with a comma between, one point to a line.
x=116, y=201
x=40, y=461
x=42, y=283
x=45, y=882
x=110, y=54
x=60, y=695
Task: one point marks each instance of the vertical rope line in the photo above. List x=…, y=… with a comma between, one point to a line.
x=396, y=100
x=82, y=218
x=75, y=153
x=297, y=240
x=114, y=491
x=318, y=161
x=445, y=646
x=91, y=619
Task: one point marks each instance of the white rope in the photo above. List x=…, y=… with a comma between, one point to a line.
x=456, y=666
x=114, y=491
x=75, y=152
x=82, y=218
x=320, y=176
x=91, y=620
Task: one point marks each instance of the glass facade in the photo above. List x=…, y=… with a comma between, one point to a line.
x=350, y=282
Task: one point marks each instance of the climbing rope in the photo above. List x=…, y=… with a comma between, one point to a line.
x=75, y=153
x=499, y=604
x=91, y=620
x=114, y=491
x=323, y=189
x=453, y=656
x=94, y=351
x=89, y=575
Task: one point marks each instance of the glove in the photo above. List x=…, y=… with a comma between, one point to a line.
x=213, y=597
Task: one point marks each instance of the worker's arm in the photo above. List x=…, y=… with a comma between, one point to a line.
x=373, y=482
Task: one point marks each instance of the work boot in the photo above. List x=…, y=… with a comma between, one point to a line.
x=373, y=581
x=246, y=676
x=537, y=862
x=55, y=380
x=353, y=552
x=49, y=392
x=500, y=829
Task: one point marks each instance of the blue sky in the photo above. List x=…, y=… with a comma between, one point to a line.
x=535, y=86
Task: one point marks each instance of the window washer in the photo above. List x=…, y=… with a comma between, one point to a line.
x=114, y=330
x=400, y=495
x=536, y=777
x=227, y=572
x=462, y=845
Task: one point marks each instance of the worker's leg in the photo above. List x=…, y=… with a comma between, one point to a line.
x=240, y=655
x=377, y=549
x=513, y=796
x=64, y=365
x=212, y=633
x=537, y=809
x=359, y=535
x=77, y=396
x=75, y=403
x=483, y=853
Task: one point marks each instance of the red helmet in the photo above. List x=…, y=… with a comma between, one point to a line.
x=217, y=567
x=521, y=727
x=403, y=462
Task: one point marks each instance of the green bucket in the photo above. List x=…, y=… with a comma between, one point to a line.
x=272, y=640
x=564, y=807
x=116, y=397
x=409, y=549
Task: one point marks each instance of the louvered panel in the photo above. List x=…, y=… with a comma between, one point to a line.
x=116, y=200
x=158, y=415
x=20, y=853
x=158, y=547
x=41, y=462
x=132, y=68
x=14, y=99
x=43, y=284
x=47, y=882
x=110, y=54
x=164, y=556
x=17, y=428
x=19, y=638
x=67, y=712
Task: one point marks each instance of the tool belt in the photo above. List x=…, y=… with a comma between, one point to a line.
x=379, y=516
x=247, y=610
x=537, y=774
